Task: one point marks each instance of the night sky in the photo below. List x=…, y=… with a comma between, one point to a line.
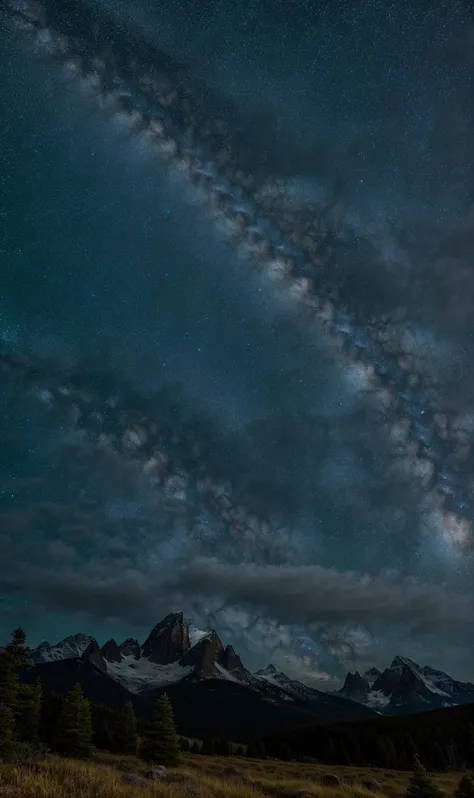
x=365, y=106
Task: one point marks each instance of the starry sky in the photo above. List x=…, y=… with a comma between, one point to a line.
x=365, y=106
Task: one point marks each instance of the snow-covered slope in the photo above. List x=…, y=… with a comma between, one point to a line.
x=174, y=650
x=72, y=646
x=292, y=686
x=141, y=675
x=178, y=655
x=406, y=687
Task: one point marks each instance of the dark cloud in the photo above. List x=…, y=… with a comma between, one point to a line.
x=289, y=594
x=315, y=594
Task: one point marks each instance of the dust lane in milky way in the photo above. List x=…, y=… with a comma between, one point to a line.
x=143, y=251
x=434, y=448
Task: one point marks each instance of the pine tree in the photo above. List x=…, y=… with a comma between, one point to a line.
x=18, y=652
x=126, y=739
x=21, y=700
x=105, y=721
x=51, y=707
x=8, y=682
x=160, y=742
x=29, y=711
x=465, y=787
x=7, y=726
x=74, y=732
x=438, y=756
x=421, y=785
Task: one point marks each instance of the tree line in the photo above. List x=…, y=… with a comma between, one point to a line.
x=32, y=715
x=443, y=739
x=69, y=724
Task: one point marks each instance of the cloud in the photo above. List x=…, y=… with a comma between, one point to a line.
x=312, y=594
x=304, y=669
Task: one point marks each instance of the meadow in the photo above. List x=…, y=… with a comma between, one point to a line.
x=205, y=776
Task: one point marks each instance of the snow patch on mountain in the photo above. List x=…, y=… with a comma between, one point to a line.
x=71, y=646
x=225, y=674
x=142, y=675
x=406, y=686
x=377, y=700
x=195, y=635
x=176, y=650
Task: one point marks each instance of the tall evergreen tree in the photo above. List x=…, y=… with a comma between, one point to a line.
x=104, y=723
x=74, y=732
x=160, y=742
x=7, y=727
x=126, y=738
x=8, y=682
x=51, y=707
x=21, y=700
x=465, y=787
x=421, y=785
x=18, y=652
x=29, y=711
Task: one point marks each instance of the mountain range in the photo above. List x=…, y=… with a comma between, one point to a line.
x=406, y=687
x=212, y=691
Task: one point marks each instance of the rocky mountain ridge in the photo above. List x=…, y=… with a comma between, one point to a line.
x=211, y=690
x=172, y=651
x=405, y=687
x=176, y=652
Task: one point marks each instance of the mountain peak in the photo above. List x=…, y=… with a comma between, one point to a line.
x=270, y=670
x=406, y=687
x=111, y=652
x=354, y=682
x=401, y=661
x=168, y=641
x=231, y=661
x=71, y=646
x=130, y=648
x=93, y=654
x=204, y=656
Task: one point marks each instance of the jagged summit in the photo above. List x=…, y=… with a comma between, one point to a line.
x=168, y=641
x=406, y=687
x=71, y=646
x=372, y=674
x=400, y=662
x=111, y=652
x=270, y=670
x=175, y=652
x=130, y=647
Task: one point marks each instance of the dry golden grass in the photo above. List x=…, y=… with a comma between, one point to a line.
x=202, y=776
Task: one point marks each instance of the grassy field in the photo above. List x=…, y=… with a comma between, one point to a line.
x=207, y=777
